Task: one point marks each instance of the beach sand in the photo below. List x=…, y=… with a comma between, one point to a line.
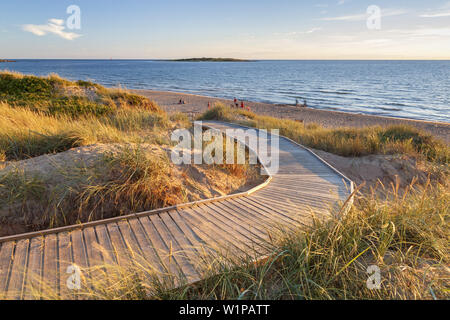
x=196, y=105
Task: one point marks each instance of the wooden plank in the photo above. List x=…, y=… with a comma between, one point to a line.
x=303, y=214
x=236, y=223
x=194, y=239
x=80, y=261
x=151, y=267
x=272, y=212
x=252, y=220
x=18, y=271
x=323, y=191
x=176, y=250
x=301, y=207
x=6, y=260
x=300, y=196
x=208, y=226
x=266, y=223
x=123, y=256
x=94, y=256
x=208, y=240
x=51, y=272
x=131, y=243
x=97, y=271
x=226, y=224
x=188, y=249
x=65, y=260
x=160, y=247
x=108, y=253
x=148, y=250
x=33, y=281
x=79, y=252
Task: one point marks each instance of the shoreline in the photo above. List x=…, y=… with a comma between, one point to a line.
x=197, y=104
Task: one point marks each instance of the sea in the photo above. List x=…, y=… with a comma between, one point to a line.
x=404, y=89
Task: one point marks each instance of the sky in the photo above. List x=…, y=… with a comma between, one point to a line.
x=247, y=29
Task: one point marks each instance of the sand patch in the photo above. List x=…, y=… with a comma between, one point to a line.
x=87, y=183
x=387, y=169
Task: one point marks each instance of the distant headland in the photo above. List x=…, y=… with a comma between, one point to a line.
x=5, y=60
x=211, y=60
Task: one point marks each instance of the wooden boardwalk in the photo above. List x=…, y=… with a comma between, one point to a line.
x=176, y=240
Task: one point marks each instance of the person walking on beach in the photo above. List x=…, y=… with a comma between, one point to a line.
x=236, y=103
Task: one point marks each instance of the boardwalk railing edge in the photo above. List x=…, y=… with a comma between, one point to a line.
x=82, y=226
x=349, y=201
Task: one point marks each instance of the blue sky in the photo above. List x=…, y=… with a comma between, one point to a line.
x=256, y=29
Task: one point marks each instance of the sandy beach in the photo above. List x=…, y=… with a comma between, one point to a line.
x=196, y=104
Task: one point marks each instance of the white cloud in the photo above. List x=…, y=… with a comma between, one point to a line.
x=296, y=33
x=435, y=15
x=363, y=16
x=442, y=12
x=425, y=32
x=355, y=17
x=313, y=30
x=55, y=26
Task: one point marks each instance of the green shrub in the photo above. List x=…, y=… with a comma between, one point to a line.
x=79, y=106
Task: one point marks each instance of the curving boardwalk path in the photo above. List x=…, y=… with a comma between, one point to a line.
x=176, y=240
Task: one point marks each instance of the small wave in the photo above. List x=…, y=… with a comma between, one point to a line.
x=334, y=92
x=398, y=104
x=389, y=109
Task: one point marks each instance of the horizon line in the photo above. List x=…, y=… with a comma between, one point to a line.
x=250, y=60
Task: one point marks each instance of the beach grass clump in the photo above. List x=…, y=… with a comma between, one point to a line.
x=18, y=186
x=55, y=95
x=125, y=98
x=347, y=142
x=26, y=134
x=126, y=180
x=137, y=181
x=42, y=115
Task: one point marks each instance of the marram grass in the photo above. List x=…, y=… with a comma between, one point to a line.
x=406, y=236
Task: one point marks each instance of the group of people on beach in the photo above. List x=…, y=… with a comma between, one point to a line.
x=236, y=104
x=241, y=105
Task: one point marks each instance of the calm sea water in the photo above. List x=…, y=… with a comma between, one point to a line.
x=409, y=89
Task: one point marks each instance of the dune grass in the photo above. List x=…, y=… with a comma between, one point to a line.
x=40, y=115
x=49, y=115
x=25, y=133
x=54, y=95
x=347, y=142
x=406, y=236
